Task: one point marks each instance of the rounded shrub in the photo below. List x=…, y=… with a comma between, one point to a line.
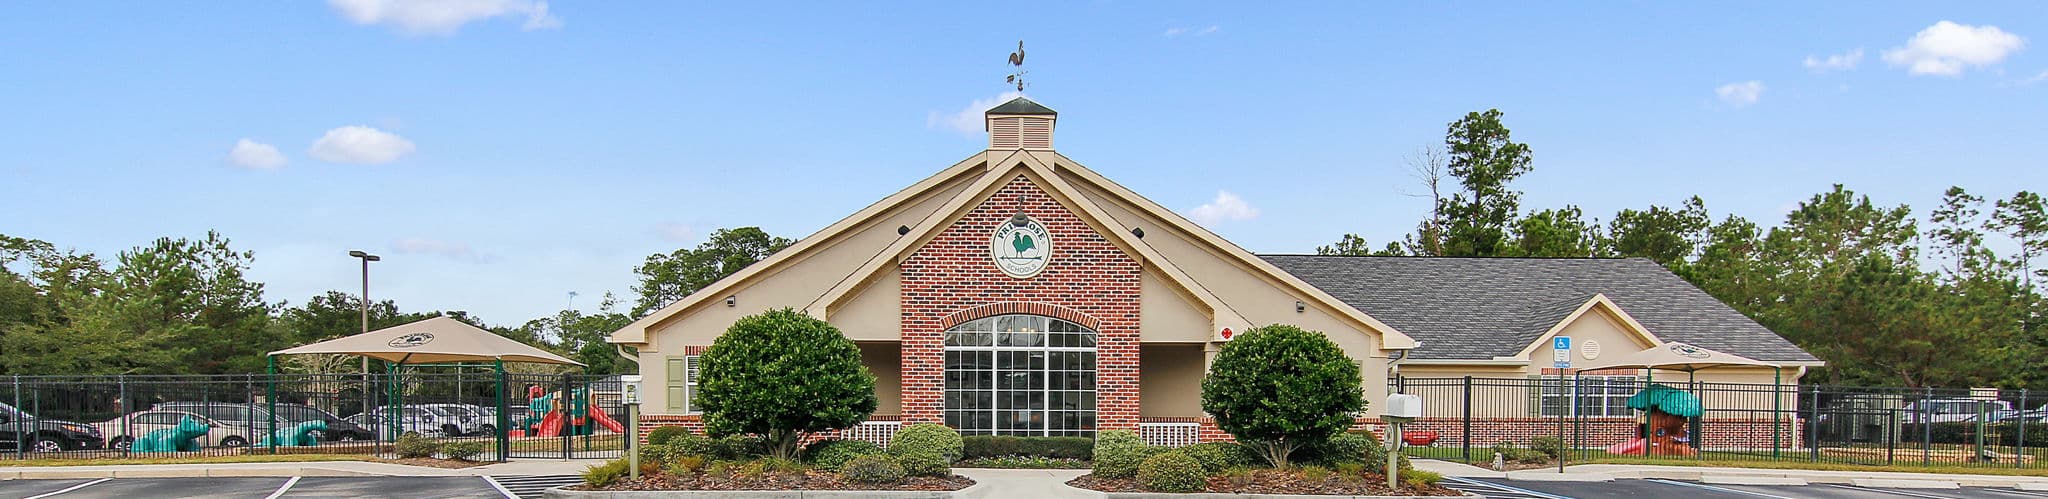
x=1118, y=453
x=662, y=435
x=737, y=447
x=873, y=469
x=929, y=437
x=1345, y=448
x=690, y=445
x=604, y=475
x=463, y=451
x=1279, y=388
x=1219, y=456
x=1172, y=471
x=925, y=463
x=781, y=374
x=415, y=446
x=829, y=455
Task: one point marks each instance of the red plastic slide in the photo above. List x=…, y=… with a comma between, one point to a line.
x=606, y=420
x=1633, y=446
x=551, y=426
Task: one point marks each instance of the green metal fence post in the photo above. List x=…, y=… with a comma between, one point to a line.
x=1927, y=427
x=270, y=397
x=1465, y=435
x=504, y=414
x=2019, y=452
x=19, y=446
x=1777, y=412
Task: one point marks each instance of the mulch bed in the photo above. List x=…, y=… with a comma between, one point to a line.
x=805, y=480
x=1270, y=481
x=434, y=463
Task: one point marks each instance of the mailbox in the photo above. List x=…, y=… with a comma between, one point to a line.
x=1404, y=406
x=629, y=389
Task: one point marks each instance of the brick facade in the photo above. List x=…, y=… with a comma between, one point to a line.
x=1086, y=278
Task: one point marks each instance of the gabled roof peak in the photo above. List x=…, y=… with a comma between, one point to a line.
x=1023, y=106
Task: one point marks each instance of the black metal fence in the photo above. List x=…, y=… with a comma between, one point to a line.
x=1590, y=419
x=509, y=415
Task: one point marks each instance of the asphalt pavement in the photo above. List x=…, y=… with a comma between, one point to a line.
x=1654, y=488
x=259, y=488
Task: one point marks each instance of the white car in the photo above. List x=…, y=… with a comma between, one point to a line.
x=1954, y=410
x=415, y=421
x=465, y=419
x=124, y=431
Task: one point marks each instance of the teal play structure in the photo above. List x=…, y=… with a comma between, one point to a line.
x=1666, y=399
x=174, y=439
x=300, y=435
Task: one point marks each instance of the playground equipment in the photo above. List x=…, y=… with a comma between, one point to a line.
x=1668, y=410
x=174, y=439
x=550, y=415
x=300, y=435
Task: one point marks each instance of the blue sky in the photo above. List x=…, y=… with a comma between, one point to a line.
x=502, y=153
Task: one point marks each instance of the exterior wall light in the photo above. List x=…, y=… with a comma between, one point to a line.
x=731, y=300
x=1300, y=307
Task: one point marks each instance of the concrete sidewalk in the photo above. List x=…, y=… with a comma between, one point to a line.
x=1027, y=483
x=312, y=468
x=1608, y=472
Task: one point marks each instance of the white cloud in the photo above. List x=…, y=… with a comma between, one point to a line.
x=968, y=119
x=1741, y=94
x=1838, y=62
x=675, y=232
x=1947, y=48
x=361, y=145
x=2036, y=79
x=1226, y=207
x=1187, y=30
x=443, y=17
x=256, y=155
x=425, y=246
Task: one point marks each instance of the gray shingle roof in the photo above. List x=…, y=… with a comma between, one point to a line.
x=1480, y=308
x=1021, y=105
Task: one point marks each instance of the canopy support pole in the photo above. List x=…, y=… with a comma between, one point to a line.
x=504, y=413
x=1777, y=403
x=1649, y=378
x=270, y=397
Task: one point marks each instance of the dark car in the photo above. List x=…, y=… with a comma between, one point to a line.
x=338, y=429
x=20, y=430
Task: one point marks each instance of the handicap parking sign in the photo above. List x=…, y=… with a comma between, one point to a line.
x=1561, y=352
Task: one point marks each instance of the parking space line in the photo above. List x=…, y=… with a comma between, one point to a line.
x=71, y=488
x=1716, y=489
x=1886, y=491
x=501, y=487
x=1530, y=493
x=280, y=490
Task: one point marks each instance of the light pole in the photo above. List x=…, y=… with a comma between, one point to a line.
x=366, y=258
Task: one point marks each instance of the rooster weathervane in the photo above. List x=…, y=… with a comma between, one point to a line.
x=1017, y=61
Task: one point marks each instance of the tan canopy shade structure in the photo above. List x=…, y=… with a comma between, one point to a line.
x=1677, y=356
x=436, y=340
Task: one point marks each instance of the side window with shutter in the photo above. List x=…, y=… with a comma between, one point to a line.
x=677, y=379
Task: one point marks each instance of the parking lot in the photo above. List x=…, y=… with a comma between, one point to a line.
x=1646, y=489
x=280, y=487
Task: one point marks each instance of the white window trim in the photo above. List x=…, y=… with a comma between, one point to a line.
x=690, y=369
x=1585, y=401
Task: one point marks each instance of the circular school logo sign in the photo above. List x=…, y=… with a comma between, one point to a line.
x=412, y=340
x=1020, y=247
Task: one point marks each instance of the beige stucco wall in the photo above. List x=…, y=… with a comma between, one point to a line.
x=1260, y=300
x=885, y=360
x=1597, y=324
x=1170, y=380
x=1166, y=315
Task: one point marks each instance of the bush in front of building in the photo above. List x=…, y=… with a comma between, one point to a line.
x=988, y=446
x=1509, y=452
x=1172, y=471
x=1279, y=388
x=829, y=455
x=781, y=374
x=662, y=435
x=604, y=475
x=872, y=469
x=1119, y=452
x=737, y=447
x=927, y=437
x=1344, y=448
x=925, y=463
x=1218, y=456
x=1550, y=446
x=463, y=451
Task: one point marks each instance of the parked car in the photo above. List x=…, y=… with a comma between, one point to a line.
x=23, y=431
x=467, y=419
x=250, y=420
x=1953, y=410
x=413, y=421
x=126, y=430
x=338, y=429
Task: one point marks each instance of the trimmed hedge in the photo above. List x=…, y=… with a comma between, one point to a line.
x=414, y=446
x=925, y=463
x=981, y=446
x=1964, y=432
x=878, y=468
x=929, y=437
x=662, y=435
x=1218, y=456
x=463, y=451
x=737, y=447
x=1344, y=448
x=1172, y=471
x=829, y=455
x=1119, y=452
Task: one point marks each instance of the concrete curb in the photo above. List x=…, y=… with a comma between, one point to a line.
x=1750, y=480
x=2032, y=486
x=1552, y=476
x=1081, y=492
x=1879, y=483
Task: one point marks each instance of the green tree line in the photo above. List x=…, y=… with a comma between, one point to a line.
x=187, y=306
x=1882, y=294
